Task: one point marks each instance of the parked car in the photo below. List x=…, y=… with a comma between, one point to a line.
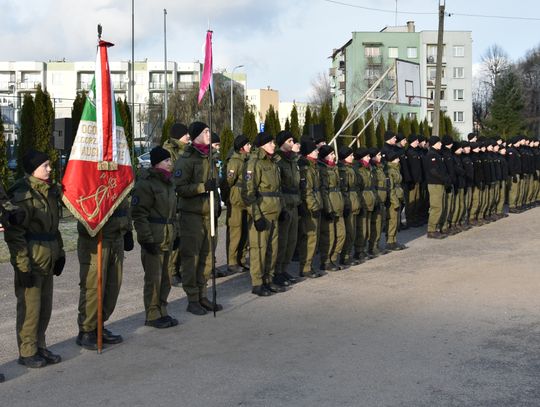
x=144, y=161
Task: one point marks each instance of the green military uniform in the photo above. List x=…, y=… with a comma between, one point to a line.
x=237, y=231
x=395, y=202
x=176, y=149
x=288, y=224
x=263, y=197
x=154, y=218
x=332, y=225
x=379, y=212
x=112, y=260
x=192, y=170
x=35, y=246
x=310, y=209
x=350, y=191
x=369, y=199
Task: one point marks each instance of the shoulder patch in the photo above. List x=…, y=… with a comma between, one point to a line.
x=134, y=200
x=178, y=173
x=249, y=175
x=230, y=173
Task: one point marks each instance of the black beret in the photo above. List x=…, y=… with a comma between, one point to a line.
x=465, y=144
x=318, y=138
x=421, y=138
x=400, y=137
x=474, y=144
x=373, y=151
x=282, y=137
x=447, y=140
x=262, y=138
x=240, y=141
x=344, y=152
x=158, y=154
x=470, y=136
x=434, y=140
x=307, y=147
x=388, y=135
x=325, y=150
x=32, y=160
x=178, y=130
x=392, y=155
x=196, y=128
x=215, y=138
x=412, y=138
x=361, y=153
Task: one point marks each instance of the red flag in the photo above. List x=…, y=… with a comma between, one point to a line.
x=206, y=80
x=99, y=173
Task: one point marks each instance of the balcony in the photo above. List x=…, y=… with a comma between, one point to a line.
x=332, y=72
x=160, y=86
x=374, y=60
x=432, y=60
x=120, y=85
x=83, y=85
x=32, y=85
x=7, y=86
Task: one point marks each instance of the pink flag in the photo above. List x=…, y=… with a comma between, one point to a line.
x=206, y=79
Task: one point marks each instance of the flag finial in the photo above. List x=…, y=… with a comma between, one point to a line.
x=99, y=30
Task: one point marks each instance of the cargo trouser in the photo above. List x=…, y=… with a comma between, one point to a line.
x=468, y=202
x=376, y=227
x=157, y=283
x=263, y=248
x=412, y=210
x=237, y=235
x=450, y=207
x=513, y=193
x=34, y=308
x=484, y=195
x=522, y=189
x=350, y=236
x=331, y=240
x=502, y=198
x=437, y=207
x=112, y=259
x=308, y=240
x=476, y=203
x=287, y=237
x=532, y=189
x=362, y=233
x=195, y=250
x=459, y=206
x=392, y=221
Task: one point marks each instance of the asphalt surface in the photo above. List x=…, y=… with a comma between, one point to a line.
x=444, y=323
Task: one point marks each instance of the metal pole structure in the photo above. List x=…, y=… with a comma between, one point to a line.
x=100, y=292
x=166, y=97
x=232, y=103
x=132, y=81
x=438, y=73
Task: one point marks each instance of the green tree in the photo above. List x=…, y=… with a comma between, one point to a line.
x=371, y=138
x=415, y=127
x=379, y=131
x=357, y=127
x=226, y=142
x=271, y=125
x=43, y=127
x=4, y=173
x=391, y=124
x=427, y=128
x=27, y=135
x=249, y=125
x=404, y=126
x=507, y=106
x=295, y=127
x=287, y=125
x=442, y=125
x=307, y=121
x=167, y=124
x=325, y=119
x=339, y=119
x=449, y=127
x=77, y=109
x=128, y=128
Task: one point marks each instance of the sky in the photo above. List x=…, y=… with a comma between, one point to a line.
x=283, y=44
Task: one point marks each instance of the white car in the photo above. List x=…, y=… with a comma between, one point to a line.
x=144, y=160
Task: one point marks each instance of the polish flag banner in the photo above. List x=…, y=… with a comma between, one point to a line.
x=99, y=174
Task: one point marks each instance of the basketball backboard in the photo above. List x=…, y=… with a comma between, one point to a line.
x=408, y=83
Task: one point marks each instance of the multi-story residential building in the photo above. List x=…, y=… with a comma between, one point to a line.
x=285, y=109
x=260, y=100
x=367, y=55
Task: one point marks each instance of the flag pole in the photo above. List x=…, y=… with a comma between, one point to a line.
x=99, y=293
x=212, y=214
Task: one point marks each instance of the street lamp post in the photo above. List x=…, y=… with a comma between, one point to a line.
x=232, y=104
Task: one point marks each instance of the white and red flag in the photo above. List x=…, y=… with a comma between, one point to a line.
x=99, y=173
x=207, y=80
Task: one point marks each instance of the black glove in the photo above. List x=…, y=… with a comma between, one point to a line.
x=218, y=213
x=260, y=224
x=346, y=212
x=330, y=215
x=302, y=211
x=514, y=179
x=128, y=241
x=151, y=248
x=59, y=265
x=16, y=217
x=210, y=185
x=26, y=279
x=316, y=214
x=176, y=243
x=283, y=216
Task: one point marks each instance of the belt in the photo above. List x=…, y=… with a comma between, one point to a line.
x=119, y=213
x=289, y=191
x=381, y=189
x=161, y=221
x=274, y=194
x=334, y=189
x=43, y=237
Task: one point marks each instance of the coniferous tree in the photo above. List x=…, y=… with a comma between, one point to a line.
x=287, y=125
x=76, y=111
x=325, y=119
x=277, y=122
x=415, y=127
x=249, y=124
x=271, y=125
x=371, y=138
x=404, y=126
x=427, y=128
x=167, y=124
x=442, y=125
x=357, y=127
x=294, y=126
x=27, y=136
x=226, y=142
x=307, y=121
x=315, y=118
x=44, y=125
x=391, y=124
x=381, y=129
x=421, y=129
x=4, y=171
x=449, y=126
x=128, y=128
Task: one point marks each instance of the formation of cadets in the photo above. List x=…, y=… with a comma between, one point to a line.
x=286, y=199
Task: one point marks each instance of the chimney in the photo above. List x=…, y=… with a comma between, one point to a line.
x=410, y=26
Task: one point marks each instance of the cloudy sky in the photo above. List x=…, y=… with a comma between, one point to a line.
x=281, y=43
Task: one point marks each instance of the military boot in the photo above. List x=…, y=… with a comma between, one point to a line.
x=280, y=280
x=50, y=357
x=195, y=308
x=261, y=291
x=87, y=340
x=110, y=338
x=209, y=306
x=33, y=362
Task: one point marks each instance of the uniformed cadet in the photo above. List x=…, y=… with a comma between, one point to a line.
x=195, y=179
x=117, y=237
x=332, y=235
x=468, y=167
x=37, y=253
x=395, y=201
x=439, y=183
x=237, y=221
x=378, y=217
x=154, y=218
x=504, y=183
x=459, y=189
x=263, y=199
x=476, y=198
x=309, y=209
x=513, y=160
x=286, y=159
x=175, y=145
x=351, y=199
x=414, y=161
x=448, y=159
x=406, y=178
x=369, y=200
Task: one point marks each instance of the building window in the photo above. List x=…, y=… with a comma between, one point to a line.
x=372, y=73
x=411, y=116
x=372, y=51
x=432, y=94
x=412, y=52
x=431, y=74
x=57, y=78
x=393, y=52
x=458, y=117
x=459, y=51
x=431, y=53
x=431, y=116
x=459, y=72
x=458, y=94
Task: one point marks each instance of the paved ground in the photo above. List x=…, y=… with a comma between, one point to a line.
x=445, y=323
